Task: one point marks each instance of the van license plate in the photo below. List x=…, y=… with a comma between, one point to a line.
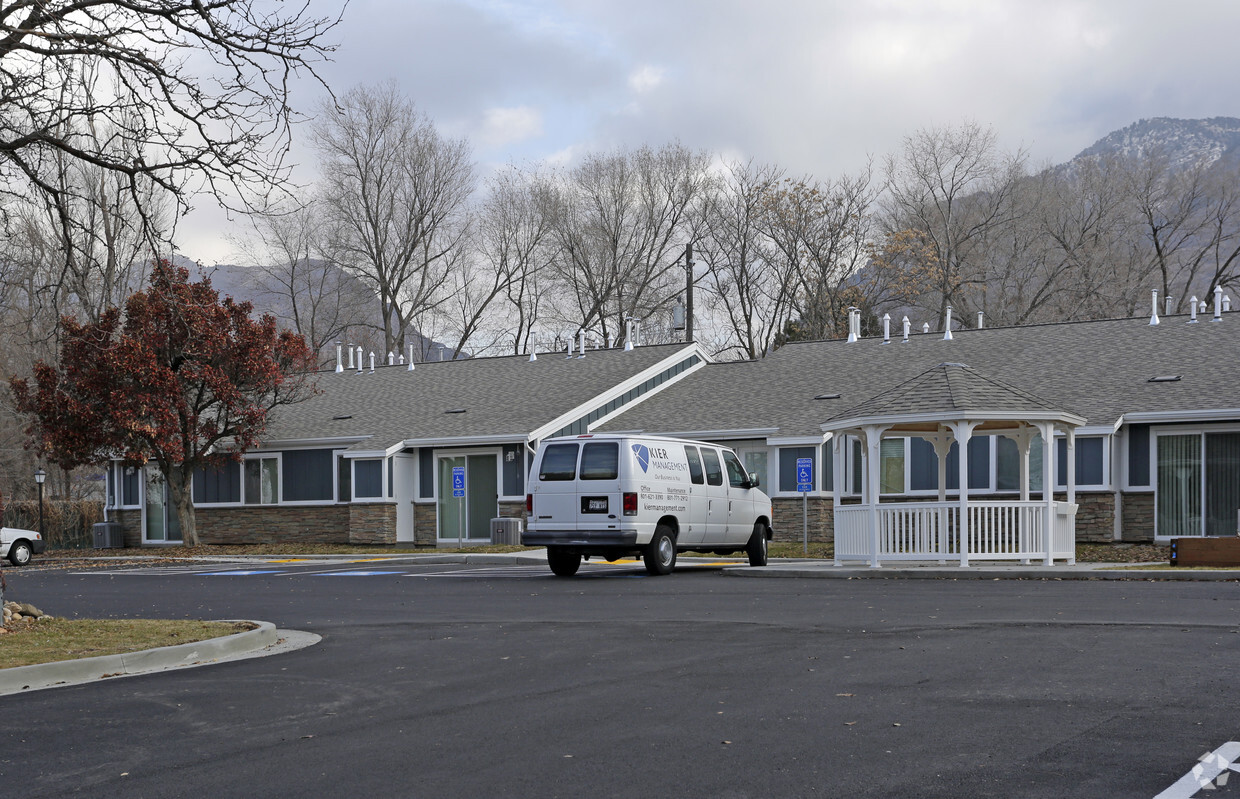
x=594, y=504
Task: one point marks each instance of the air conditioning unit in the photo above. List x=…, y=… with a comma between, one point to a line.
x=506, y=530
x=108, y=535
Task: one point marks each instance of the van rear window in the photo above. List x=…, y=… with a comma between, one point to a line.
x=559, y=462
x=600, y=461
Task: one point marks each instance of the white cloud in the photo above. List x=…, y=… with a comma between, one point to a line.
x=503, y=126
x=645, y=79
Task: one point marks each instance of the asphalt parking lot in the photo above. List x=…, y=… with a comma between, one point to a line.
x=459, y=680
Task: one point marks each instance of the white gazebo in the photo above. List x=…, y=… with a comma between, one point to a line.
x=953, y=403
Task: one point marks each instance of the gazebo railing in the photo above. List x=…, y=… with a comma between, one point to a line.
x=998, y=530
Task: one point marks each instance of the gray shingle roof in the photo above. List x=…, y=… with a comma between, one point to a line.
x=502, y=398
x=1099, y=370
x=950, y=391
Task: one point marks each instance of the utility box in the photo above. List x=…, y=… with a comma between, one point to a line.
x=506, y=530
x=108, y=535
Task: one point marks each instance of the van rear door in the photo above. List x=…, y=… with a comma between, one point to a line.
x=599, y=504
x=555, y=490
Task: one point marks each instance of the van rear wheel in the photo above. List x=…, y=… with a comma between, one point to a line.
x=660, y=554
x=756, y=548
x=563, y=564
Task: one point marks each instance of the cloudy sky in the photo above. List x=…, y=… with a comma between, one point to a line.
x=816, y=86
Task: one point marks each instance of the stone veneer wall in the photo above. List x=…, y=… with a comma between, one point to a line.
x=269, y=524
x=131, y=524
x=424, y=517
x=372, y=523
x=788, y=522
x=1095, y=517
x=1137, y=516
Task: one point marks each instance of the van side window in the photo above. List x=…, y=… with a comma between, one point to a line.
x=714, y=472
x=695, y=465
x=600, y=461
x=559, y=462
x=736, y=473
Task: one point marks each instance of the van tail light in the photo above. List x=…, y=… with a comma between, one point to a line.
x=630, y=503
x=529, y=503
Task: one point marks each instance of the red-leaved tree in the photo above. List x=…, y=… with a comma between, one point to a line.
x=181, y=379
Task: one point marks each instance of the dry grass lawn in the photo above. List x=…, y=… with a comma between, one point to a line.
x=48, y=640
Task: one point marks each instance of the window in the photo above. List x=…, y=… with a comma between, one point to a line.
x=755, y=463
x=262, y=481
x=736, y=473
x=695, y=466
x=368, y=478
x=1089, y=462
x=220, y=484
x=559, y=462
x=788, y=457
x=514, y=470
x=1139, y=455
x=923, y=472
x=344, y=479
x=714, y=470
x=307, y=475
x=1178, y=509
x=891, y=466
x=600, y=461
x=828, y=467
x=130, y=482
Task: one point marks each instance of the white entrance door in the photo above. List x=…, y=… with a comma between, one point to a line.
x=402, y=484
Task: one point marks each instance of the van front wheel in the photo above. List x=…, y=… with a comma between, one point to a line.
x=563, y=564
x=756, y=548
x=660, y=554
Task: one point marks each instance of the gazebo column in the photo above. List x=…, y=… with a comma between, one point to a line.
x=1023, y=439
x=873, y=436
x=1048, y=486
x=942, y=442
x=963, y=431
x=838, y=480
x=1071, y=481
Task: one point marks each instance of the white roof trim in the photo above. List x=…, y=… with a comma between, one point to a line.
x=980, y=415
x=459, y=441
x=307, y=443
x=739, y=432
x=1172, y=417
x=786, y=441
x=599, y=400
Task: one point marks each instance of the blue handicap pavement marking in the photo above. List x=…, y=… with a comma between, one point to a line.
x=353, y=574
x=238, y=573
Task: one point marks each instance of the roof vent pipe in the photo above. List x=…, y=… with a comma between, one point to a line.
x=981, y=320
x=359, y=359
x=410, y=357
x=611, y=339
x=886, y=328
x=391, y=358
x=1154, y=308
x=581, y=343
x=1218, y=304
x=852, y=324
x=570, y=346
x=372, y=362
x=906, y=327
x=1167, y=306
x=1226, y=302
x=401, y=359
x=947, y=325
x=1203, y=306
x=628, y=335
x=339, y=362
x=1192, y=311
x=349, y=347
x=925, y=327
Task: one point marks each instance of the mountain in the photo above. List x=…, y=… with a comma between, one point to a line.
x=1184, y=141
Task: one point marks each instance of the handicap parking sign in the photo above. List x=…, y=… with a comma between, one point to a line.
x=805, y=474
x=458, y=481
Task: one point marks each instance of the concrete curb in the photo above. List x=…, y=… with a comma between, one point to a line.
x=828, y=572
x=67, y=672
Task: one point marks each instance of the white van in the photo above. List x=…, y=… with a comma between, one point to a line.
x=616, y=495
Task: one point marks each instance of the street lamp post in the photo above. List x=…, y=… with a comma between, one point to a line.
x=39, y=477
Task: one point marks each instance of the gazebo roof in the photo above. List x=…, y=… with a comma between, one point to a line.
x=951, y=392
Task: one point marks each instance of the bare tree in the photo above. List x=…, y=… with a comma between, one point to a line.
x=198, y=93
x=821, y=232
x=395, y=191
x=311, y=292
x=951, y=188
x=621, y=222
x=746, y=282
